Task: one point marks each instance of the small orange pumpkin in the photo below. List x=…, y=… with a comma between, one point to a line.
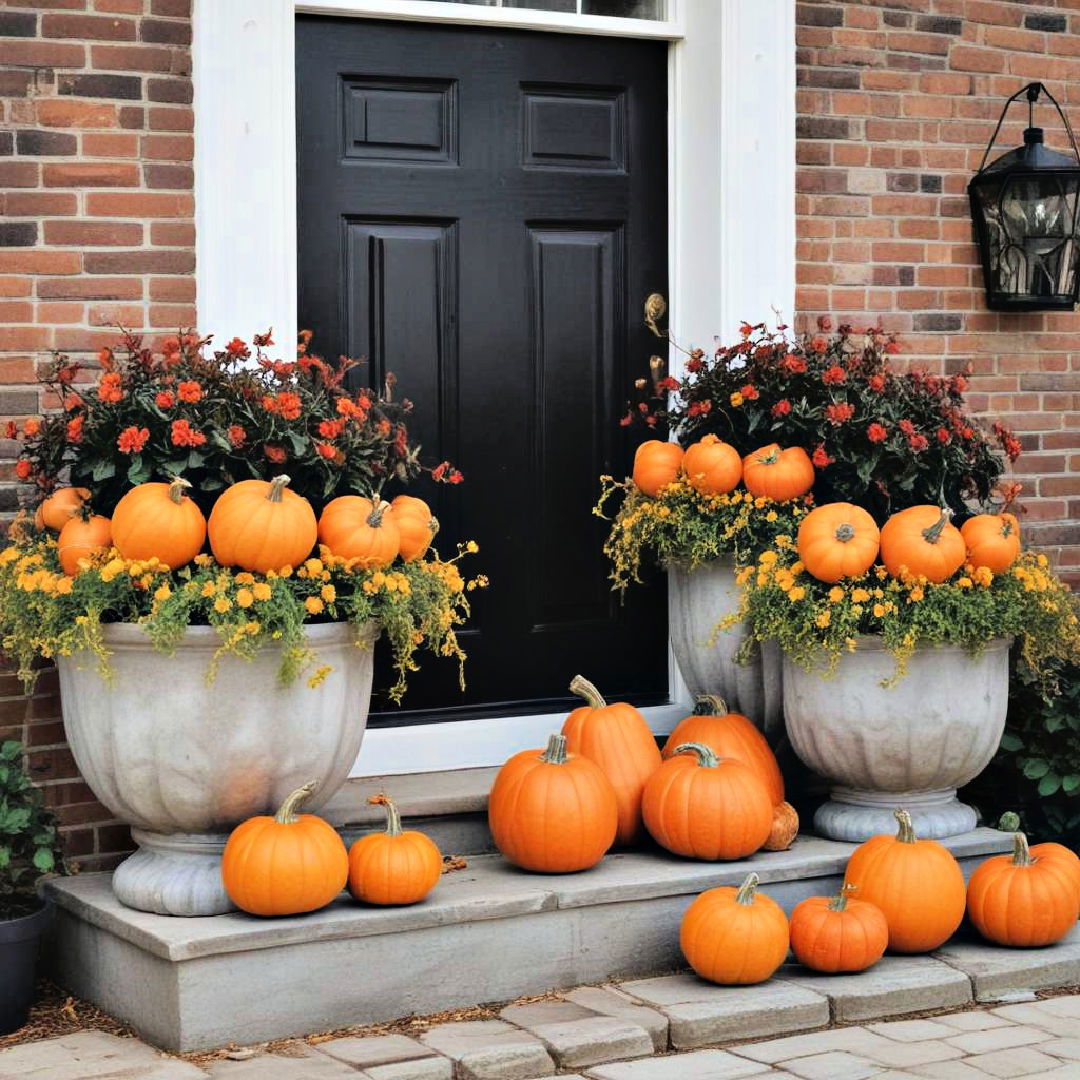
x=159, y=520
x=616, y=738
x=393, y=867
x=706, y=807
x=353, y=527
x=1059, y=853
x=835, y=933
x=80, y=538
x=734, y=937
x=917, y=884
x=551, y=811
x=778, y=474
x=921, y=539
x=656, y=464
x=712, y=467
x=53, y=513
x=286, y=864
x=993, y=540
x=785, y=827
x=416, y=524
x=260, y=525
x=838, y=540
x=1021, y=899
x=728, y=735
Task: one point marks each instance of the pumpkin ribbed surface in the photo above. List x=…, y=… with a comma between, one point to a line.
x=416, y=526
x=261, y=526
x=80, y=538
x=712, y=467
x=836, y=933
x=993, y=540
x=159, y=521
x=778, y=474
x=656, y=464
x=62, y=504
x=921, y=540
x=838, y=540
x=353, y=527
x=394, y=867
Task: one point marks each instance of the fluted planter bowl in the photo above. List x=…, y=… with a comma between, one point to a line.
x=183, y=761
x=699, y=600
x=911, y=744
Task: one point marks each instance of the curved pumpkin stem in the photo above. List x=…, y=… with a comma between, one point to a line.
x=583, y=688
x=905, y=834
x=706, y=756
x=277, y=488
x=1021, y=856
x=555, y=753
x=748, y=890
x=933, y=534
x=433, y=525
x=844, y=533
x=378, y=509
x=710, y=705
x=840, y=900
x=177, y=489
x=287, y=814
x=771, y=458
x=1006, y=526
x=393, y=818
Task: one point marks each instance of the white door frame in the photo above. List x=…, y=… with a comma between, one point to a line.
x=731, y=185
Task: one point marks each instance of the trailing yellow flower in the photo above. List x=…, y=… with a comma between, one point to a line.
x=835, y=594
x=222, y=604
x=823, y=619
x=261, y=591
x=314, y=605
x=328, y=593
x=245, y=598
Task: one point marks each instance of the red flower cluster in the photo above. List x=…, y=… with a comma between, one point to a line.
x=132, y=439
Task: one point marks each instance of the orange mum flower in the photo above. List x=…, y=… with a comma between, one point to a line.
x=74, y=429
x=326, y=450
x=164, y=399
x=109, y=388
x=183, y=434
x=189, y=391
x=132, y=439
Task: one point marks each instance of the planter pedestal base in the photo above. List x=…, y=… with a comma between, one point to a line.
x=854, y=816
x=174, y=874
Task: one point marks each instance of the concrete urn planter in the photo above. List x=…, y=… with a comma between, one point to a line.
x=911, y=744
x=698, y=600
x=184, y=761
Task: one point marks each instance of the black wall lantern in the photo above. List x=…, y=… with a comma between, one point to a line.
x=1025, y=208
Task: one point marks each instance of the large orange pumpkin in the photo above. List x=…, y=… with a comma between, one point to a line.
x=53, y=513
x=1059, y=853
x=260, y=525
x=921, y=539
x=1021, y=899
x=838, y=540
x=656, y=464
x=80, y=538
x=395, y=866
x=993, y=540
x=551, y=811
x=728, y=735
x=778, y=474
x=617, y=739
x=917, y=884
x=705, y=807
x=357, y=528
x=785, y=827
x=835, y=933
x=159, y=520
x=712, y=467
x=416, y=525
x=735, y=937
x=286, y=864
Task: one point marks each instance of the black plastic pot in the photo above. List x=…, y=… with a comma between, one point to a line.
x=19, y=940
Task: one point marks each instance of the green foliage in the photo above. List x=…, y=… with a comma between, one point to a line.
x=29, y=846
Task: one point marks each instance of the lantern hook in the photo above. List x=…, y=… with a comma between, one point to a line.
x=1032, y=92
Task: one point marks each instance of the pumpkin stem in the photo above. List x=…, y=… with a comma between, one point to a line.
x=433, y=525
x=286, y=815
x=710, y=705
x=277, y=488
x=583, y=688
x=707, y=758
x=1006, y=527
x=555, y=754
x=772, y=457
x=1021, y=856
x=844, y=533
x=393, y=818
x=933, y=534
x=1009, y=821
x=747, y=890
x=905, y=834
x=839, y=901
x=177, y=488
x=374, y=519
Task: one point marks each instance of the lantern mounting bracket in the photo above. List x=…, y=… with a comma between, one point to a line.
x=1033, y=91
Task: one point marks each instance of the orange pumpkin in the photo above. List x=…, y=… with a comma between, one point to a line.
x=778, y=474
x=551, y=811
x=656, y=464
x=393, y=867
x=356, y=528
x=80, y=538
x=159, y=520
x=706, y=807
x=1059, y=853
x=712, y=467
x=734, y=937
x=260, y=525
x=993, y=540
x=53, y=513
x=416, y=525
x=286, y=864
x=1021, y=899
x=728, y=735
x=921, y=539
x=917, y=884
x=616, y=738
x=838, y=540
x=835, y=933
x=785, y=827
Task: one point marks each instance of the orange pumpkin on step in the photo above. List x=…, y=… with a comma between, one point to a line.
x=778, y=474
x=838, y=933
x=353, y=527
x=921, y=540
x=159, y=521
x=616, y=738
x=712, y=467
x=785, y=827
x=838, y=540
x=416, y=526
x=80, y=538
x=993, y=540
x=260, y=525
x=656, y=464
x=62, y=504
x=394, y=867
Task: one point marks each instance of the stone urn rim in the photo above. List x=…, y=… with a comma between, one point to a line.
x=875, y=643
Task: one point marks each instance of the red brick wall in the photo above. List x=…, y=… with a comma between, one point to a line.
x=96, y=228
x=897, y=100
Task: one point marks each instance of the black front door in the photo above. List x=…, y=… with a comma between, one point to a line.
x=482, y=212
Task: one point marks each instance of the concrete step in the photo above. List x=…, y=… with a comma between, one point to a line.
x=488, y=933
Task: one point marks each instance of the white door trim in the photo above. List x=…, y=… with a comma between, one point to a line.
x=731, y=161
